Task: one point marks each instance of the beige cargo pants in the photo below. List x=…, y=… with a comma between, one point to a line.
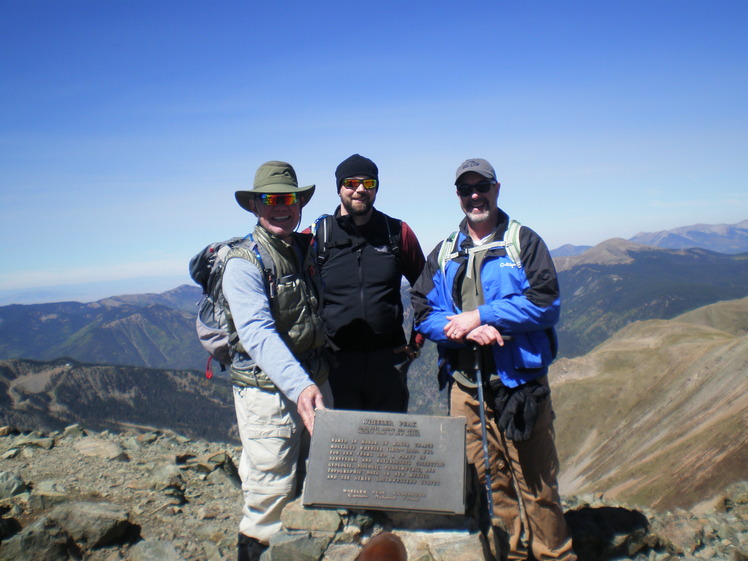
x=270, y=429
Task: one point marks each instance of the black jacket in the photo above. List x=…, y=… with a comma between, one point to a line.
x=361, y=276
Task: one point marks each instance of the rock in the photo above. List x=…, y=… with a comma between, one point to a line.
x=167, y=479
x=153, y=551
x=296, y=517
x=464, y=548
x=41, y=540
x=341, y=552
x=92, y=524
x=10, y=454
x=148, y=437
x=11, y=484
x=34, y=441
x=219, y=467
x=46, y=494
x=99, y=448
x=73, y=431
x=298, y=546
x=682, y=535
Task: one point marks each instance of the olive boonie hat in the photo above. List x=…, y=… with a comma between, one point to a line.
x=274, y=177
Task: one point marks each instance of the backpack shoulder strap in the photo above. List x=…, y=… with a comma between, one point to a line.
x=447, y=250
x=266, y=265
x=511, y=242
x=321, y=235
x=394, y=235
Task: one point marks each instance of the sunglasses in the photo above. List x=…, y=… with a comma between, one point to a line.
x=279, y=198
x=466, y=190
x=352, y=183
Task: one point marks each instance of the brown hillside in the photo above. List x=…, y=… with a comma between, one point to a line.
x=730, y=316
x=614, y=251
x=657, y=415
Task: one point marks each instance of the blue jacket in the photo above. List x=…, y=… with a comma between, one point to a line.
x=522, y=302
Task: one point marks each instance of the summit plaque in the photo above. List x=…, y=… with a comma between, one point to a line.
x=387, y=461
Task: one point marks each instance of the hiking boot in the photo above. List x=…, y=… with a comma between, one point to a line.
x=249, y=549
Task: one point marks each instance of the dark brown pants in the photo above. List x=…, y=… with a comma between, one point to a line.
x=523, y=478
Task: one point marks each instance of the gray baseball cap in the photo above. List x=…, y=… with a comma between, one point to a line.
x=478, y=165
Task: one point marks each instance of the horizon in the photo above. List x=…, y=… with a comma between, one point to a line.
x=92, y=292
x=127, y=127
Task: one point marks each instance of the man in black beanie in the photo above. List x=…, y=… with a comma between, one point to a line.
x=363, y=255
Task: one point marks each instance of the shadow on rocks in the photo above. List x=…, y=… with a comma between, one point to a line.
x=601, y=533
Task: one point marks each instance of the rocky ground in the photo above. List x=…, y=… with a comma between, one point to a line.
x=156, y=495
x=175, y=490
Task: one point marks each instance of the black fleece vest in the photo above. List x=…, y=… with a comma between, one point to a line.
x=361, y=277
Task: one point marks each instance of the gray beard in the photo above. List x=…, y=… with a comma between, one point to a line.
x=479, y=219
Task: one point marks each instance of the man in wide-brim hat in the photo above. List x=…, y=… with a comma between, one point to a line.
x=274, y=178
x=279, y=368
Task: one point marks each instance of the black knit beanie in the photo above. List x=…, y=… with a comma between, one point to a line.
x=353, y=166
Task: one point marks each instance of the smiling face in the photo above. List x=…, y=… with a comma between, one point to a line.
x=358, y=201
x=478, y=207
x=280, y=220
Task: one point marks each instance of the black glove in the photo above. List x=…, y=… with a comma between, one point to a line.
x=501, y=395
x=518, y=417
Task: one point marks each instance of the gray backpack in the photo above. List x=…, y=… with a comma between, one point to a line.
x=206, y=269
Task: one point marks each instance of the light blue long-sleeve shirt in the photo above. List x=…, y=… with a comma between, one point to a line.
x=244, y=289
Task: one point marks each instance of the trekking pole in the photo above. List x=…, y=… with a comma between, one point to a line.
x=483, y=433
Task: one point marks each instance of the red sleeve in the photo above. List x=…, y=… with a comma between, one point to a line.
x=412, y=258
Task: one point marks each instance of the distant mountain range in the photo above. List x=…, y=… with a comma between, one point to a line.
x=603, y=289
x=153, y=330
x=722, y=238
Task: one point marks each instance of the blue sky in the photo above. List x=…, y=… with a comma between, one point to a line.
x=126, y=126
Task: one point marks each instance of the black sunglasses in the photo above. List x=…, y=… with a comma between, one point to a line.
x=466, y=190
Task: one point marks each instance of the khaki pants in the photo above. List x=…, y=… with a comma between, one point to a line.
x=523, y=478
x=270, y=429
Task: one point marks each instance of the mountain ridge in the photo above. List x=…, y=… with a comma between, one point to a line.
x=51, y=395
x=618, y=282
x=722, y=238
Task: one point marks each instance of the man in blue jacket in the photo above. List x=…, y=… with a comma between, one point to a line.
x=489, y=297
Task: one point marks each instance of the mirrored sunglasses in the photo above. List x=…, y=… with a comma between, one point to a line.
x=279, y=198
x=466, y=190
x=352, y=183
